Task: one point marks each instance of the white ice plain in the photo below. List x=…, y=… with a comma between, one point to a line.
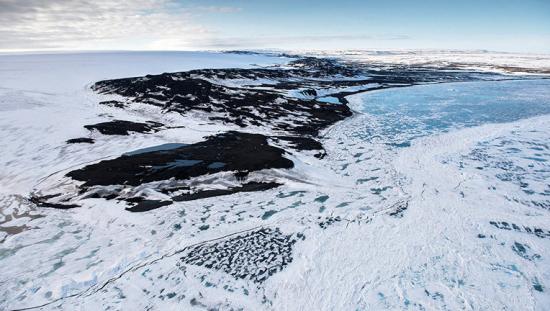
x=459, y=181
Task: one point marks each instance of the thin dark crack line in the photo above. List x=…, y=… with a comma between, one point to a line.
x=85, y=293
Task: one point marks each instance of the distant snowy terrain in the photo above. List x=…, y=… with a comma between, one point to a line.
x=351, y=180
x=480, y=60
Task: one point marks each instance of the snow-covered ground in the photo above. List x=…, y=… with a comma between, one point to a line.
x=478, y=60
x=449, y=249
x=45, y=100
x=433, y=197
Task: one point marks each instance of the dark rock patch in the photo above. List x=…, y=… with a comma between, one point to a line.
x=242, y=52
x=229, y=105
x=122, y=127
x=328, y=221
x=289, y=102
x=541, y=233
x=80, y=140
x=270, y=105
x=172, y=170
x=241, y=175
x=248, y=187
x=301, y=143
x=253, y=256
x=239, y=151
x=398, y=209
x=244, y=106
x=309, y=92
x=42, y=201
x=147, y=205
x=113, y=103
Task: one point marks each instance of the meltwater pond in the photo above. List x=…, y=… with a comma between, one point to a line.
x=402, y=114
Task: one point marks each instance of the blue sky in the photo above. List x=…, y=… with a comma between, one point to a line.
x=505, y=25
x=482, y=24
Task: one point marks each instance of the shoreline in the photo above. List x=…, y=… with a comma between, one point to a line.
x=341, y=215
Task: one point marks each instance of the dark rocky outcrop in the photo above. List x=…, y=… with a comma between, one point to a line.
x=80, y=140
x=147, y=205
x=113, y=103
x=286, y=100
x=232, y=151
x=248, y=187
x=254, y=256
x=122, y=127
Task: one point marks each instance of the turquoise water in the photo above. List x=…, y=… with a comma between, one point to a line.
x=403, y=114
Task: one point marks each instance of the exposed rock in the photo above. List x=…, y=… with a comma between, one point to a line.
x=290, y=101
x=42, y=201
x=248, y=187
x=113, y=103
x=253, y=256
x=122, y=127
x=174, y=170
x=147, y=205
x=301, y=143
x=238, y=151
x=541, y=233
x=80, y=140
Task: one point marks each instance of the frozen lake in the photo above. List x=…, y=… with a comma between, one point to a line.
x=402, y=114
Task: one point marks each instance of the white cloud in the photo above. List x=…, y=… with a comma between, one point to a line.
x=219, y=9
x=137, y=25
x=100, y=24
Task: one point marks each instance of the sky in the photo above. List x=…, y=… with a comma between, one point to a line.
x=497, y=25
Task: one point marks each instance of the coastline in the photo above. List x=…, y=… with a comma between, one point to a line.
x=331, y=202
